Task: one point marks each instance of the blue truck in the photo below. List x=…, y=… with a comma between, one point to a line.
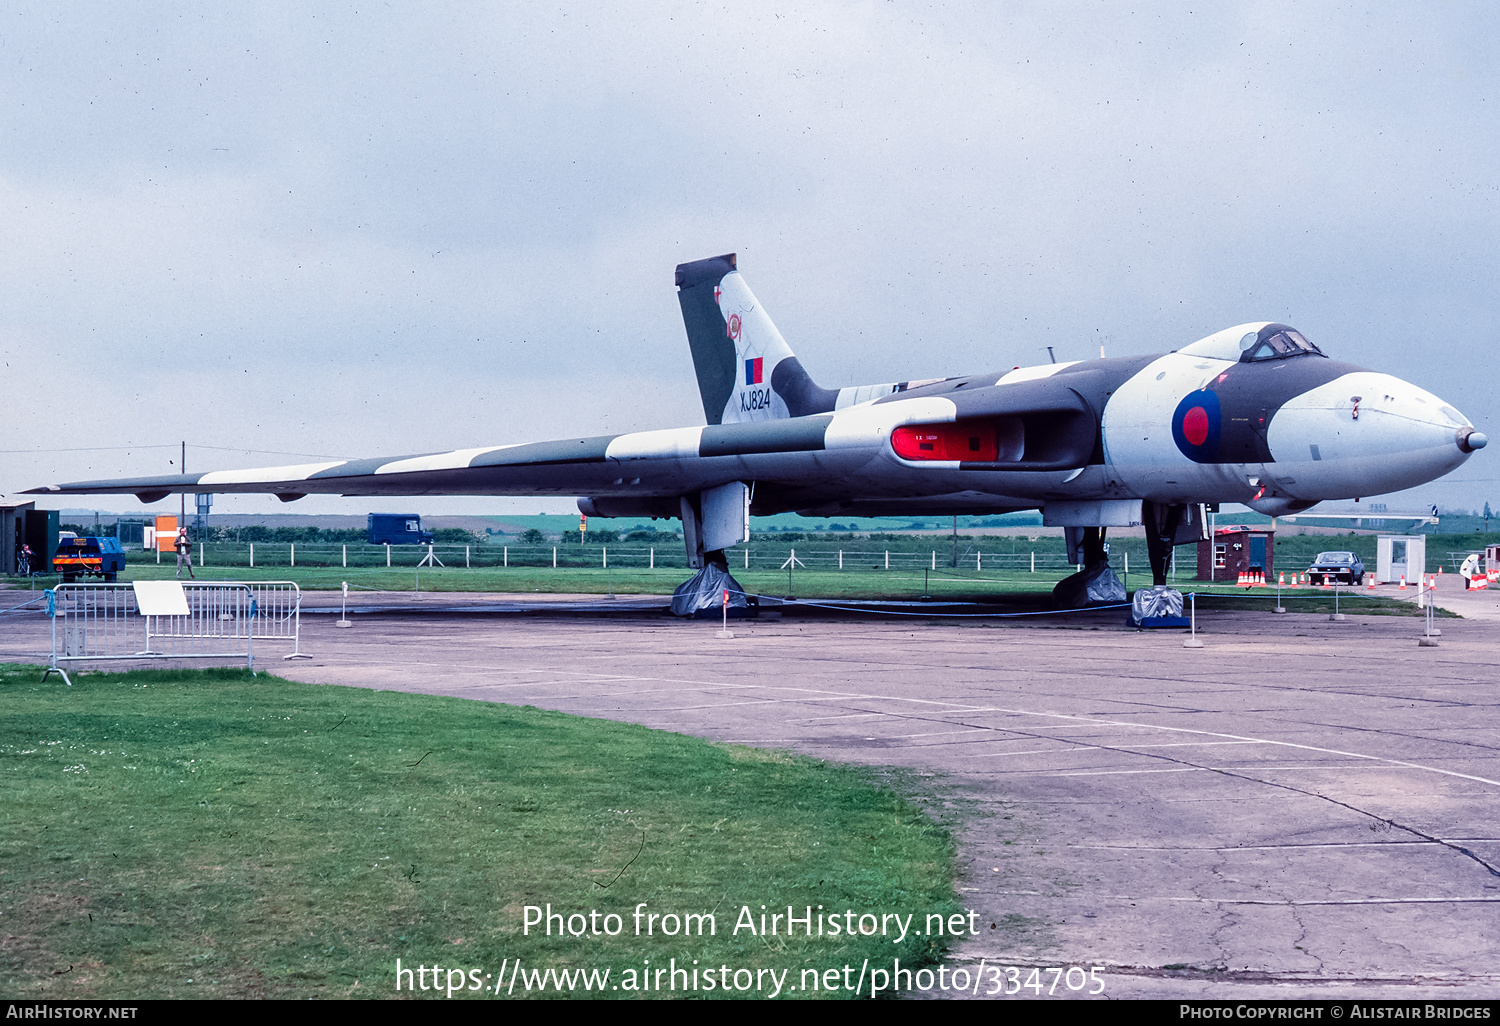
x=397, y=529
x=88, y=557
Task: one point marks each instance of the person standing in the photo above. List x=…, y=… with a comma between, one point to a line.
x=184, y=553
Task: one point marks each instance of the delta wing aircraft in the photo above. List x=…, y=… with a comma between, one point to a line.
x=1255, y=414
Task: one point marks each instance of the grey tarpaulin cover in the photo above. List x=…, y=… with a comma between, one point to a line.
x=1155, y=603
x=1094, y=586
x=704, y=592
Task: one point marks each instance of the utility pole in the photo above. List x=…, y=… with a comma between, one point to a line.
x=182, y=496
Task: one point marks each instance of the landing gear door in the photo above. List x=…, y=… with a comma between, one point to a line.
x=1193, y=527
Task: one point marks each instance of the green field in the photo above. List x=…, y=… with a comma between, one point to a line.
x=881, y=553
x=211, y=834
x=1020, y=589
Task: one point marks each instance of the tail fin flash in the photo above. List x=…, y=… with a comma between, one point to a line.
x=746, y=371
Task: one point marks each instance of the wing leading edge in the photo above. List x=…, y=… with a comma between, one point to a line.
x=636, y=464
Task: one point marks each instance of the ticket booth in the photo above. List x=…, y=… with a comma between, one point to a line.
x=1398, y=556
x=1237, y=550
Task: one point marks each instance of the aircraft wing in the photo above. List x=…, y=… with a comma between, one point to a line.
x=642, y=465
x=604, y=464
x=831, y=463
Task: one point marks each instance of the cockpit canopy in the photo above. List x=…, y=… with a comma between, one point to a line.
x=1275, y=342
x=1255, y=342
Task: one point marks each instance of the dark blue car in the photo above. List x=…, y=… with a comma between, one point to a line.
x=1343, y=567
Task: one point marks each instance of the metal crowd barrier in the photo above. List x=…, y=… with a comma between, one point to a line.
x=279, y=614
x=103, y=622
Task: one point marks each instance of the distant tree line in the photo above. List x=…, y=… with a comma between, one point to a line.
x=89, y=530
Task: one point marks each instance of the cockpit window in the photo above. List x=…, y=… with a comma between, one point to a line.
x=1275, y=342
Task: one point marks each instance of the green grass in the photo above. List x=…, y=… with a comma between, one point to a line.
x=217, y=835
x=1020, y=589
x=1023, y=590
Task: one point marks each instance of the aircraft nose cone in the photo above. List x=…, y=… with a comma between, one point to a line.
x=1470, y=440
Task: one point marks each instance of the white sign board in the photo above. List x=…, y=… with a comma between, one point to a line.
x=160, y=598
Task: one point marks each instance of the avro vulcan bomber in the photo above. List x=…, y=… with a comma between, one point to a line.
x=1255, y=414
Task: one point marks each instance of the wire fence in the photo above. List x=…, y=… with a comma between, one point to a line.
x=974, y=555
x=624, y=556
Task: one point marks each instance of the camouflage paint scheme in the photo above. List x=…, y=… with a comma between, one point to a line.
x=1252, y=414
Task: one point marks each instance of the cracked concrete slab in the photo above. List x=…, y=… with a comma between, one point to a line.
x=1300, y=809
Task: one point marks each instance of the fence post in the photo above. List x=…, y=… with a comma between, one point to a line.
x=604, y=557
x=294, y=554
x=841, y=559
x=158, y=553
x=505, y=556
x=934, y=560
x=252, y=553
x=653, y=557
x=346, y=555
x=387, y=555
x=979, y=562
x=202, y=552
x=747, y=557
x=887, y=559
x=1033, y=562
x=554, y=557
x=466, y=557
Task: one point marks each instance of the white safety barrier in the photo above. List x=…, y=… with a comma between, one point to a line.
x=278, y=614
x=170, y=620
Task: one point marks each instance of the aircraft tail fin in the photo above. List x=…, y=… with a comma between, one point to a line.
x=746, y=371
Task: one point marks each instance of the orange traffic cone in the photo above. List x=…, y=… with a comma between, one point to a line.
x=1281, y=581
x=1403, y=583
x=1372, y=582
x=1241, y=582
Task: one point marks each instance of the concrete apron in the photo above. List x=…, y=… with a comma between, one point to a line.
x=1300, y=809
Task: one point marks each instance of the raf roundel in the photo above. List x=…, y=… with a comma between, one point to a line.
x=1195, y=426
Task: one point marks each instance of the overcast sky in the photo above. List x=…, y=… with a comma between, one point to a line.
x=388, y=229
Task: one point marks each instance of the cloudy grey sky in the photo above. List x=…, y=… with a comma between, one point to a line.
x=374, y=230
